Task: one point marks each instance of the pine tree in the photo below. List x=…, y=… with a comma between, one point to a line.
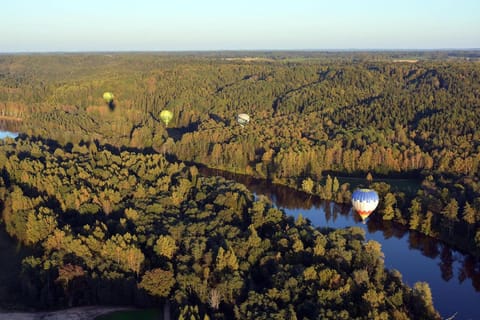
x=468, y=214
x=415, y=214
x=307, y=185
x=165, y=246
x=389, y=202
x=328, y=188
x=451, y=210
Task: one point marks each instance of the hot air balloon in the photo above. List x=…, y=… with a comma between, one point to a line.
x=364, y=201
x=108, y=97
x=166, y=116
x=243, y=119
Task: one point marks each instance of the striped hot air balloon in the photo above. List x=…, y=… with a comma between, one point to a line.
x=243, y=119
x=364, y=201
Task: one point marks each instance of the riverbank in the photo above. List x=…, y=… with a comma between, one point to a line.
x=409, y=186
x=80, y=313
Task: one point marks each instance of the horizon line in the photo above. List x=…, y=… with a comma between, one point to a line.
x=242, y=50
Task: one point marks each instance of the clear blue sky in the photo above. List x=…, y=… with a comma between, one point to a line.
x=118, y=25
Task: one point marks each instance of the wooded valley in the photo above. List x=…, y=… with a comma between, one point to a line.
x=109, y=199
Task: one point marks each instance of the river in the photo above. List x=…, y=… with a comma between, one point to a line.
x=453, y=276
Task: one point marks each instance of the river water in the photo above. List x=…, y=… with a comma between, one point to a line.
x=454, y=277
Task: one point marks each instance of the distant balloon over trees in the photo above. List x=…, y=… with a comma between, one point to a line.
x=243, y=119
x=166, y=116
x=108, y=97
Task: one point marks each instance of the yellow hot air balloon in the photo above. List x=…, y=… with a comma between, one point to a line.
x=108, y=97
x=166, y=116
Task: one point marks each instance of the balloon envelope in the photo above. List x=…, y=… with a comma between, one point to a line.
x=364, y=201
x=243, y=119
x=108, y=97
x=166, y=116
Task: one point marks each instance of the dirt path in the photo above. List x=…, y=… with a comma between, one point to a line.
x=82, y=313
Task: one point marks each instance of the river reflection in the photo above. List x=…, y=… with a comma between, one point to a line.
x=454, y=277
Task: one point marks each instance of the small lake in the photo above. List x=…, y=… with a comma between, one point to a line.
x=454, y=277
x=8, y=134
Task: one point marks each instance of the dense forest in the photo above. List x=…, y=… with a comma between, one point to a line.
x=408, y=114
x=315, y=118
x=111, y=226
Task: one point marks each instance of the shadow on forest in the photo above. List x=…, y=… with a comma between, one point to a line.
x=83, y=291
x=219, y=119
x=112, y=106
x=177, y=133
